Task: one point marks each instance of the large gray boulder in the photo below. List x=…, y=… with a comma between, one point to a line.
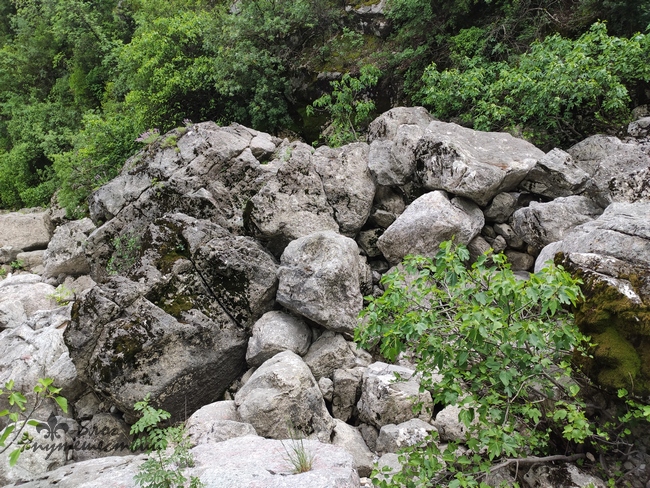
x=395, y=437
x=26, y=231
x=611, y=255
x=275, y=332
x=350, y=439
x=21, y=297
x=66, y=253
x=388, y=124
x=472, y=164
x=292, y=204
x=428, y=221
x=348, y=185
x=254, y=462
x=282, y=396
x=618, y=170
x=329, y=352
x=556, y=175
x=319, y=279
x=540, y=224
x=347, y=391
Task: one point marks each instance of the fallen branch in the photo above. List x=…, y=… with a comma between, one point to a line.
x=535, y=459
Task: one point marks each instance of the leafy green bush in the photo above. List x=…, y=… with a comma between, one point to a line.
x=19, y=415
x=556, y=94
x=168, y=449
x=498, y=347
x=349, y=106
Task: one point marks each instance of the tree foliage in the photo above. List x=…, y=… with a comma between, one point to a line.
x=559, y=92
x=498, y=347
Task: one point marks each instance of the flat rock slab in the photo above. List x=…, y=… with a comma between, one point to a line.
x=255, y=462
x=26, y=231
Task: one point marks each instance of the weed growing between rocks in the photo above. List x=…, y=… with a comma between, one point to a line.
x=126, y=250
x=168, y=449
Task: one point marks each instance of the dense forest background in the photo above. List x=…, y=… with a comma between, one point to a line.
x=81, y=80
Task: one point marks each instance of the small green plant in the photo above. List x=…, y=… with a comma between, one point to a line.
x=62, y=295
x=169, y=141
x=168, y=449
x=19, y=415
x=126, y=250
x=17, y=264
x=148, y=137
x=3, y=272
x=297, y=454
x=349, y=106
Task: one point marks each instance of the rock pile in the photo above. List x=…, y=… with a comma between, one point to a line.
x=223, y=275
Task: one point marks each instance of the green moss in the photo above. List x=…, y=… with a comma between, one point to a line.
x=618, y=364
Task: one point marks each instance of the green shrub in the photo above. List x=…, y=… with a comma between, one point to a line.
x=502, y=350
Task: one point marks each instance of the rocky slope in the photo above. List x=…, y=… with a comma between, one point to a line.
x=222, y=273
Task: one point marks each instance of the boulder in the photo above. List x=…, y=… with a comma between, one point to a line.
x=319, y=279
x=282, y=396
x=347, y=183
x=395, y=437
x=31, y=260
x=385, y=399
x=501, y=207
x=639, y=128
x=392, y=162
x=618, y=170
x=520, y=261
x=328, y=353
x=428, y=221
x=611, y=255
x=350, y=439
x=275, y=332
x=25, y=231
x=294, y=194
x=556, y=175
x=511, y=237
x=347, y=391
x=472, y=164
x=65, y=253
x=254, y=462
x=388, y=205
x=448, y=426
x=540, y=224
x=387, y=124
x=21, y=296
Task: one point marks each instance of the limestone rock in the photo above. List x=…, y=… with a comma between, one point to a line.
x=65, y=253
x=103, y=435
x=319, y=279
x=350, y=439
x=566, y=475
x=387, y=124
x=347, y=183
x=394, y=437
x=328, y=353
x=294, y=194
x=501, y=207
x=472, y=164
x=347, y=391
x=448, y=426
x=282, y=395
x=539, y=224
x=275, y=332
x=428, y=221
x=556, y=175
x=387, y=400
x=25, y=231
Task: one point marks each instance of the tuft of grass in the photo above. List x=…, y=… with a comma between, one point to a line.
x=297, y=454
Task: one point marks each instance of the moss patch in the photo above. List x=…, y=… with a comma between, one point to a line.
x=617, y=363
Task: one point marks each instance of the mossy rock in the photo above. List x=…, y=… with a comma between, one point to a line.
x=618, y=322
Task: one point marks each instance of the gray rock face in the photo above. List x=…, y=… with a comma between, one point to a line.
x=501, y=207
x=385, y=400
x=103, y=435
x=282, y=395
x=472, y=164
x=613, y=167
x=328, y=353
x=394, y=437
x=294, y=194
x=350, y=439
x=556, y=175
x=347, y=183
x=65, y=253
x=21, y=296
x=319, y=279
x=347, y=391
x=428, y=221
x=275, y=332
x=387, y=124
x=639, y=128
x=392, y=162
x=448, y=426
x=540, y=224
x=254, y=462
x=25, y=231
